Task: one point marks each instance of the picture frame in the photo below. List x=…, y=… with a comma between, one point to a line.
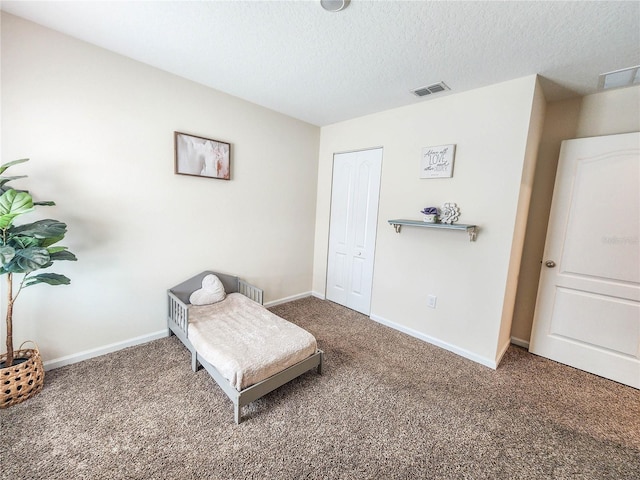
x=202, y=157
x=437, y=162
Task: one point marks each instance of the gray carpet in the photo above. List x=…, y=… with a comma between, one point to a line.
x=388, y=406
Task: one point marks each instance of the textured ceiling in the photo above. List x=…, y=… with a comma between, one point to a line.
x=323, y=67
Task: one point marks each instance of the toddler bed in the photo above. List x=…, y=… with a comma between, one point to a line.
x=247, y=350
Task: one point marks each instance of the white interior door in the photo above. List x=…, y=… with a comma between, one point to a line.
x=352, y=230
x=588, y=306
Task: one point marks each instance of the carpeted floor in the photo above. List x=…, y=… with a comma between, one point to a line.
x=388, y=406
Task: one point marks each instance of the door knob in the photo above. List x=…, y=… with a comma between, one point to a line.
x=550, y=263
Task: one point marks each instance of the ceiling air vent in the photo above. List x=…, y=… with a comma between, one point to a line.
x=620, y=78
x=428, y=90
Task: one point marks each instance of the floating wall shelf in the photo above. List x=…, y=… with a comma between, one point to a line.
x=472, y=230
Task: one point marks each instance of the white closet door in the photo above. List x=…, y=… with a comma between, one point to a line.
x=352, y=231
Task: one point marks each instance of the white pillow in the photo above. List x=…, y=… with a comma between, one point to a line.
x=212, y=291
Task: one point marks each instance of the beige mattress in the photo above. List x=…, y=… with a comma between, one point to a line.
x=245, y=342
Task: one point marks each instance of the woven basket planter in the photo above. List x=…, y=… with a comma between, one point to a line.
x=23, y=380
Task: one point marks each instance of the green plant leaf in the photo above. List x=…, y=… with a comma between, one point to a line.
x=4, y=166
x=27, y=260
x=12, y=204
x=23, y=242
x=46, y=228
x=6, y=254
x=48, y=278
x=62, y=255
x=46, y=242
x=45, y=203
x=4, y=188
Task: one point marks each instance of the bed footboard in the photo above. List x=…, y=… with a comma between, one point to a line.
x=260, y=389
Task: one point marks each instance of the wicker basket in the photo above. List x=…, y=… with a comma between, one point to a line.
x=23, y=380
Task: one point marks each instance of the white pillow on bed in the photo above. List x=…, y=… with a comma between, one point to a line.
x=212, y=291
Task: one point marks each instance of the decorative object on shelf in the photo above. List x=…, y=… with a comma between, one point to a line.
x=429, y=214
x=24, y=249
x=450, y=213
x=437, y=162
x=201, y=157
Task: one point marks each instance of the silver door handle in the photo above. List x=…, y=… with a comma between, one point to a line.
x=550, y=263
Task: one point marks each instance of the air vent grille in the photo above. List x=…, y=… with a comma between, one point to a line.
x=430, y=89
x=620, y=78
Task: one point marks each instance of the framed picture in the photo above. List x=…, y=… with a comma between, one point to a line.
x=437, y=162
x=202, y=157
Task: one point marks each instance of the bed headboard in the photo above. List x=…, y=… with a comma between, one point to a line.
x=184, y=290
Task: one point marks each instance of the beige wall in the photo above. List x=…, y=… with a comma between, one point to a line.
x=98, y=128
x=522, y=217
x=606, y=113
x=491, y=128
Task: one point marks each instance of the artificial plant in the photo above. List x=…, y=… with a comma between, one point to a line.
x=26, y=248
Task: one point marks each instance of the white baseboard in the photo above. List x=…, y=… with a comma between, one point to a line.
x=114, y=347
x=520, y=342
x=487, y=362
x=287, y=299
x=319, y=295
x=96, y=352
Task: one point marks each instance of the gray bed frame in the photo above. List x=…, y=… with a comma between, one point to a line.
x=178, y=323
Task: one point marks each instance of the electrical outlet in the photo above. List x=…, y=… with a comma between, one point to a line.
x=431, y=301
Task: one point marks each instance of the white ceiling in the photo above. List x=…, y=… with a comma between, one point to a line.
x=323, y=67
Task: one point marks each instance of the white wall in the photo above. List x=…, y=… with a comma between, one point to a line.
x=491, y=128
x=98, y=128
x=605, y=113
